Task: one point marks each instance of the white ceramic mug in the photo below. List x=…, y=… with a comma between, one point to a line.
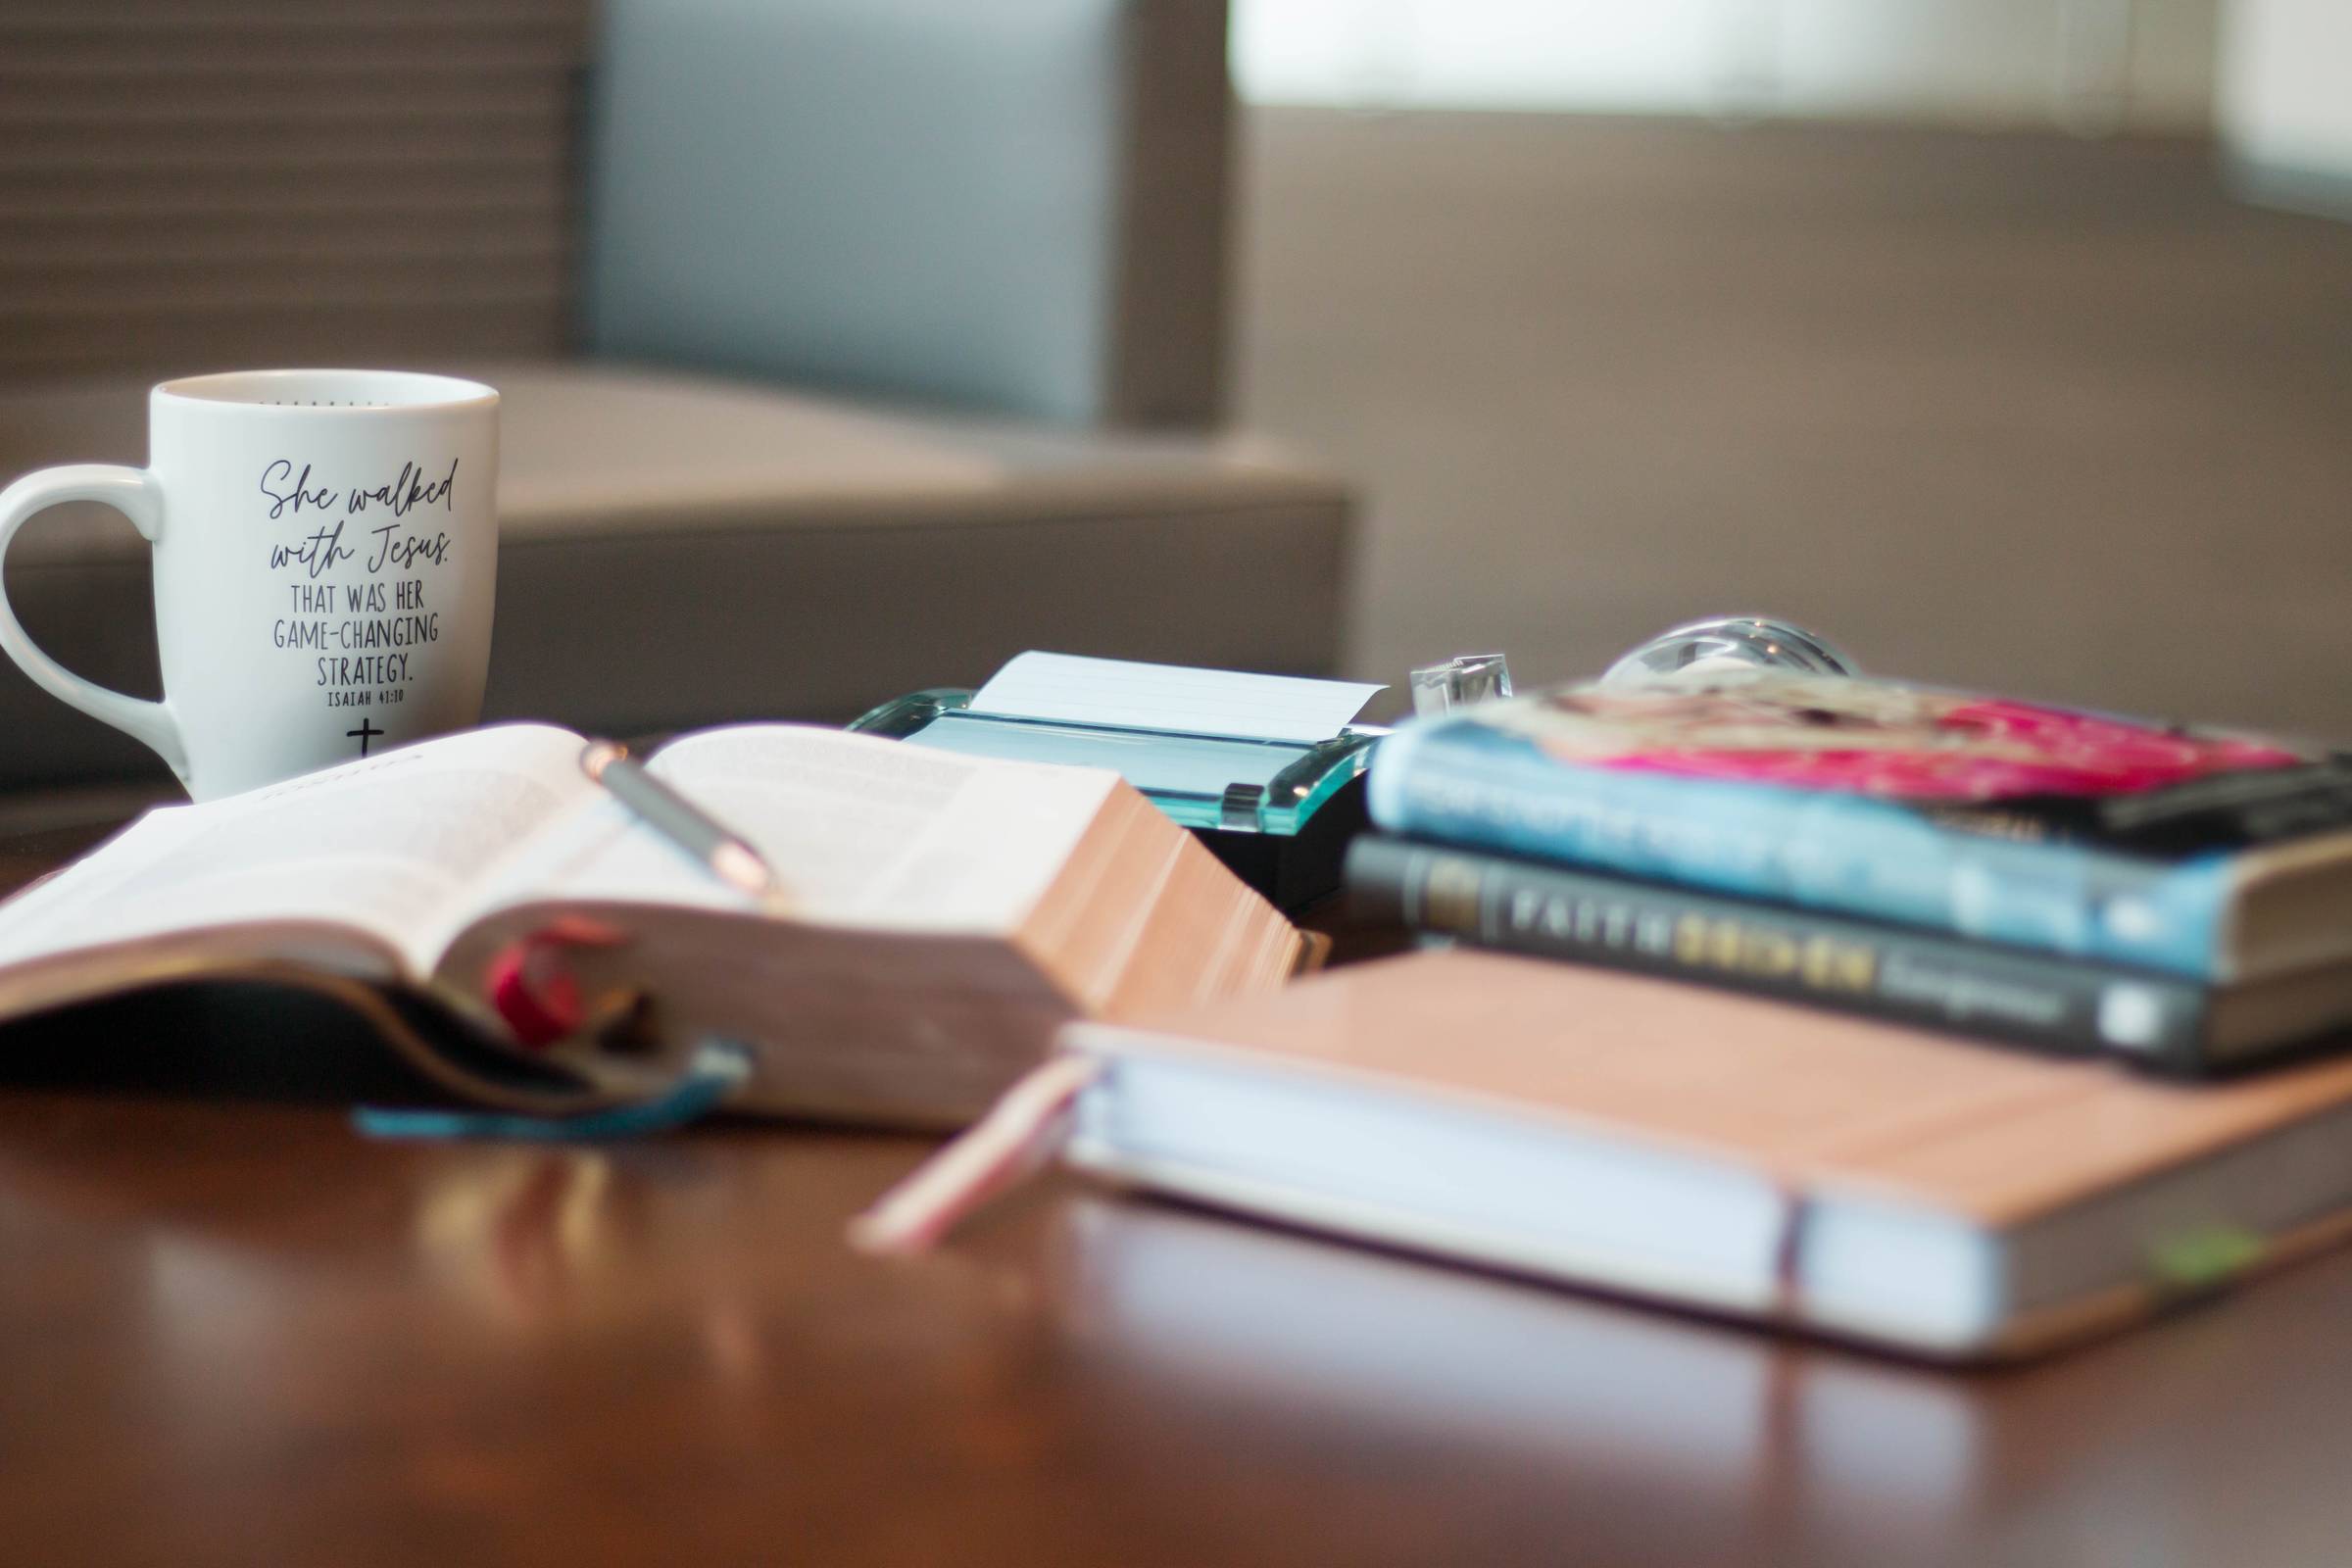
x=325, y=558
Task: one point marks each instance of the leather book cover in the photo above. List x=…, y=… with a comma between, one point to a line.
x=1818, y=1100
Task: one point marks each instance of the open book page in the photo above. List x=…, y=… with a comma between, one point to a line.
x=387, y=845
x=859, y=831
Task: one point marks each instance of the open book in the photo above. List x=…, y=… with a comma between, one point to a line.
x=942, y=914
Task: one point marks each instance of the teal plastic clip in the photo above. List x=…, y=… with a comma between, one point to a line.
x=1204, y=781
x=1279, y=813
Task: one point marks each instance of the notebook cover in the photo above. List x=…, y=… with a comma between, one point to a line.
x=1817, y=1100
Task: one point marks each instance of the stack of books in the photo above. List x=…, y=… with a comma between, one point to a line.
x=2061, y=880
x=1808, y=919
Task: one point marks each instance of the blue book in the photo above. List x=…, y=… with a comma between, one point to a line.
x=2220, y=856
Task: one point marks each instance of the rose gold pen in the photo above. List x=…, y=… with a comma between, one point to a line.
x=693, y=831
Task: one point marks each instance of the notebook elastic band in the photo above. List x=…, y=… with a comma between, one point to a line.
x=1021, y=1132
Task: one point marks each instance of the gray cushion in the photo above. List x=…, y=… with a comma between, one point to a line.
x=1012, y=207
x=680, y=550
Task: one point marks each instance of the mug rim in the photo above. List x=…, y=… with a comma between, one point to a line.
x=209, y=390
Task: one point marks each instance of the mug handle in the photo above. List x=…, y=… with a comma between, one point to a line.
x=134, y=493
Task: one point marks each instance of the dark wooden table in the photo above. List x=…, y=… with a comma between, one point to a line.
x=233, y=1331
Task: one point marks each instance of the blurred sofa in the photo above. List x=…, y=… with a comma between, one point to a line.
x=846, y=346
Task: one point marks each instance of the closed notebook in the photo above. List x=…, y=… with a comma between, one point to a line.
x=1732, y=1154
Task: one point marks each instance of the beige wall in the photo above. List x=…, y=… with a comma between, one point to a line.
x=2285, y=97
x=2088, y=64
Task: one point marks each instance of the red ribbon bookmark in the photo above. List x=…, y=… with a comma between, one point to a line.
x=531, y=985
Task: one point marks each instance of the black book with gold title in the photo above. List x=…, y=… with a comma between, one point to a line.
x=2169, y=1022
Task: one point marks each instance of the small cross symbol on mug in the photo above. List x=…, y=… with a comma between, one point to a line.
x=363, y=734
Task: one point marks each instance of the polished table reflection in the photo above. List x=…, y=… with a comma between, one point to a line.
x=236, y=1331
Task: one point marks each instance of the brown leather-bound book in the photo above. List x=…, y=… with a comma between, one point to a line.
x=1743, y=1155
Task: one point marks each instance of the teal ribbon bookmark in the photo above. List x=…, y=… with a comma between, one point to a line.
x=716, y=1070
